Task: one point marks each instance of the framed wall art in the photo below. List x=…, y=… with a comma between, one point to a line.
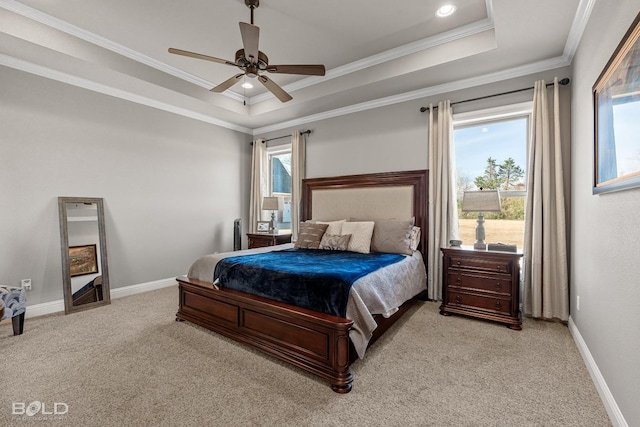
x=83, y=260
x=616, y=101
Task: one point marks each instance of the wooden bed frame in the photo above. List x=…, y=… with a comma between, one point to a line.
x=316, y=342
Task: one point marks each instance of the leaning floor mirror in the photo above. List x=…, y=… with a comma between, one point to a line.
x=85, y=273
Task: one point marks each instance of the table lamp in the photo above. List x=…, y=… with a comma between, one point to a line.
x=481, y=201
x=272, y=204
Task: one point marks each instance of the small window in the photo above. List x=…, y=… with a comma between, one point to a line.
x=491, y=153
x=280, y=182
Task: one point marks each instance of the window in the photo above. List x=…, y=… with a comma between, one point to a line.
x=280, y=182
x=491, y=153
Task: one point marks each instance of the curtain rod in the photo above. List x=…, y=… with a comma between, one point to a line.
x=562, y=82
x=308, y=132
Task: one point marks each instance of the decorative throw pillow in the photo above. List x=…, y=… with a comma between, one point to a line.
x=392, y=236
x=415, y=238
x=310, y=235
x=361, y=233
x=335, y=227
x=335, y=242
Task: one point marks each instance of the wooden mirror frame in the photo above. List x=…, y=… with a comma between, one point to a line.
x=64, y=249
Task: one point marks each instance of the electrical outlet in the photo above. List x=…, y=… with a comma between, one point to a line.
x=26, y=284
x=578, y=302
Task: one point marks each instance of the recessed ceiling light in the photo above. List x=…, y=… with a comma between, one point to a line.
x=446, y=10
x=247, y=85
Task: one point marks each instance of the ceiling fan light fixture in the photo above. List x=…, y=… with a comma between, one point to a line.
x=445, y=10
x=252, y=62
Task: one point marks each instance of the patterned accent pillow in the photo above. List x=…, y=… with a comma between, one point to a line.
x=335, y=242
x=361, y=235
x=310, y=235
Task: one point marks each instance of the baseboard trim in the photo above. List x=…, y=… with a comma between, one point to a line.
x=125, y=291
x=601, y=385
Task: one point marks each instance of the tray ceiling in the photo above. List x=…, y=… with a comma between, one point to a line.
x=375, y=53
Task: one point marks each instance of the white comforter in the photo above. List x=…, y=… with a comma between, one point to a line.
x=380, y=292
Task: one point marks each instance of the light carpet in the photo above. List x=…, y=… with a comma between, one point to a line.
x=131, y=364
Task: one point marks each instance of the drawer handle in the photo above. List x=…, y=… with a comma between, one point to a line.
x=458, y=263
x=498, y=286
x=458, y=280
x=458, y=299
x=498, y=305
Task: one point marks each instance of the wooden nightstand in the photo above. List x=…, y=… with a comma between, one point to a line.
x=260, y=240
x=483, y=284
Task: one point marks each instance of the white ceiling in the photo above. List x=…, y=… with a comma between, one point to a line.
x=375, y=52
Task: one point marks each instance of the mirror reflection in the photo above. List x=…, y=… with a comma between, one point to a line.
x=84, y=254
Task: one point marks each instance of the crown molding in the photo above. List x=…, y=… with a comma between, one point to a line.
x=524, y=70
x=63, y=77
x=65, y=27
x=389, y=55
x=580, y=20
x=382, y=57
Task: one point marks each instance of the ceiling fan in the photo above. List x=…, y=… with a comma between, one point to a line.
x=252, y=61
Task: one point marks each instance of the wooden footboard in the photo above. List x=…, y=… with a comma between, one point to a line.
x=315, y=342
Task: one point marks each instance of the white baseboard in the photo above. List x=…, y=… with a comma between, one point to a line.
x=601, y=385
x=125, y=291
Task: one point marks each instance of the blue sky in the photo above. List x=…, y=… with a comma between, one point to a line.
x=499, y=140
x=627, y=128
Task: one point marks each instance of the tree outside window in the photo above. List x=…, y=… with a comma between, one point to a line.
x=492, y=155
x=280, y=185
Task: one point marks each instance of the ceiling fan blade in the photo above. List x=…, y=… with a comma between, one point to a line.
x=308, y=70
x=250, y=35
x=227, y=83
x=275, y=89
x=200, y=56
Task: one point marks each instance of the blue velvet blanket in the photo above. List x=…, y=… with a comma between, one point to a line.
x=319, y=280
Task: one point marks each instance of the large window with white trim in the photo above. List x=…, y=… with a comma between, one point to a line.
x=280, y=182
x=491, y=153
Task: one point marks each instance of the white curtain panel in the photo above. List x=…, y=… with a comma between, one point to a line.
x=443, y=210
x=259, y=180
x=546, y=284
x=298, y=159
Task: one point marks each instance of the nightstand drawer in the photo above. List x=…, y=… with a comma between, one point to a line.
x=480, y=302
x=495, y=284
x=261, y=240
x=259, y=243
x=480, y=264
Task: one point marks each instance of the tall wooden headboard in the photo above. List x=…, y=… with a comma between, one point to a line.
x=398, y=195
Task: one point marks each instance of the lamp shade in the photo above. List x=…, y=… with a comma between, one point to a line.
x=481, y=201
x=272, y=203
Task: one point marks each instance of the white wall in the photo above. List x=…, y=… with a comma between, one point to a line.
x=172, y=186
x=605, y=271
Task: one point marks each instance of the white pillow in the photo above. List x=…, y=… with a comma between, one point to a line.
x=335, y=227
x=361, y=233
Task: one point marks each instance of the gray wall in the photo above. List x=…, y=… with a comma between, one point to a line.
x=394, y=138
x=172, y=186
x=605, y=271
